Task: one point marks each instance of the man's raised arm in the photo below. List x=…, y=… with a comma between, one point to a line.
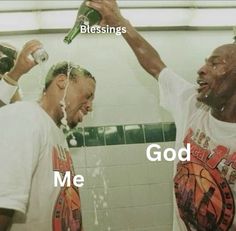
x=9, y=81
x=5, y=218
x=145, y=53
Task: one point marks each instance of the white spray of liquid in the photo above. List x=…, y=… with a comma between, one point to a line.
x=104, y=184
x=95, y=213
x=100, y=198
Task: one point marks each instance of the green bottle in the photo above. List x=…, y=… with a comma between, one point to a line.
x=86, y=16
x=8, y=51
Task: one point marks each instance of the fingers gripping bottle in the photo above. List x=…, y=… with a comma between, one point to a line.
x=86, y=16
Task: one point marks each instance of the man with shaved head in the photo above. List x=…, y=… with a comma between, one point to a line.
x=204, y=186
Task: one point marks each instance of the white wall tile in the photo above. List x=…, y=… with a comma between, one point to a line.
x=138, y=174
x=117, y=176
x=160, y=193
x=142, y=217
x=160, y=172
x=120, y=197
x=120, y=218
x=163, y=214
x=136, y=154
x=140, y=195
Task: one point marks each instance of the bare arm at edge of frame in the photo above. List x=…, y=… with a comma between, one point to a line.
x=5, y=218
x=147, y=56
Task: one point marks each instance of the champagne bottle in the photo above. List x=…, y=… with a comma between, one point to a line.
x=86, y=16
x=40, y=55
x=8, y=51
x=7, y=57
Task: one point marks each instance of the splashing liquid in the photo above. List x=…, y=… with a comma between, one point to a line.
x=40, y=80
x=95, y=213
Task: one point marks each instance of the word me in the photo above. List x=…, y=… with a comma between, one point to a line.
x=78, y=180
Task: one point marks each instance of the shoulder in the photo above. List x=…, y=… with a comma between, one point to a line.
x=22, y=106
x=167, y=75
x=173, y=85
x=22, y=113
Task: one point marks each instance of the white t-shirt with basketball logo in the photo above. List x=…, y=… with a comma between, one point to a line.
x=205, y=187
x=32, y=147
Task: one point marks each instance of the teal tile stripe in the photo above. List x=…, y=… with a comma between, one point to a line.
x=124, y=134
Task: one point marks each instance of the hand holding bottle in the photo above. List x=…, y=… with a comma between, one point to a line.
x=109, y=10
x=86, y=16
x=23, y=62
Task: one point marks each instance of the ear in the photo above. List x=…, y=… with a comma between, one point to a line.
x=61, y=81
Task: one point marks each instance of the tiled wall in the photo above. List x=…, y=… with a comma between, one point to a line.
x=124, y=134
x=123, y=190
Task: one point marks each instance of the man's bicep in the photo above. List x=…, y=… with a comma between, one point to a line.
x=5, y=218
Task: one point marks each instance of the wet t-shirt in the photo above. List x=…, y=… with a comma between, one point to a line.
x=32, y=147
x=204, y=187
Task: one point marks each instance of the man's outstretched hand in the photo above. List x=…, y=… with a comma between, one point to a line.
x=109, y=10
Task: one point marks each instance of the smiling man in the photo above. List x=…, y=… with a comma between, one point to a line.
x=33, y=147
x=217, y=81
x=205, y=186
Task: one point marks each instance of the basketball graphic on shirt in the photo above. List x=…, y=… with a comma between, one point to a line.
x=67, y=215
x=204, y=199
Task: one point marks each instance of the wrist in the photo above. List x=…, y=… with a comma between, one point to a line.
x=14, y=75
x=10, y=80
x=121, y=22
x=7, y=91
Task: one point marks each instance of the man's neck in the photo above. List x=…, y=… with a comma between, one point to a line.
x=228, y=111
x=50, y=108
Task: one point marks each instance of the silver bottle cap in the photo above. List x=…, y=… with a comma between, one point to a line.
x=40, y=56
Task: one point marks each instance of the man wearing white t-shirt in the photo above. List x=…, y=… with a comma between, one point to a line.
x=33, y=147
x=205, y=186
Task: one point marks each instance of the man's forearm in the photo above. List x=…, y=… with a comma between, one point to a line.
x=5, y=218
x=145, y=53
x=4, y=223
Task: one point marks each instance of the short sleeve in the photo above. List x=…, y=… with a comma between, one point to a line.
x=19, y=153
x=174, y=92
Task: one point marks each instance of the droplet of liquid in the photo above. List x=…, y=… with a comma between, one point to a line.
x=95, y=213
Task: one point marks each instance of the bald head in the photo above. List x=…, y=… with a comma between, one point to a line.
x=228, y=52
